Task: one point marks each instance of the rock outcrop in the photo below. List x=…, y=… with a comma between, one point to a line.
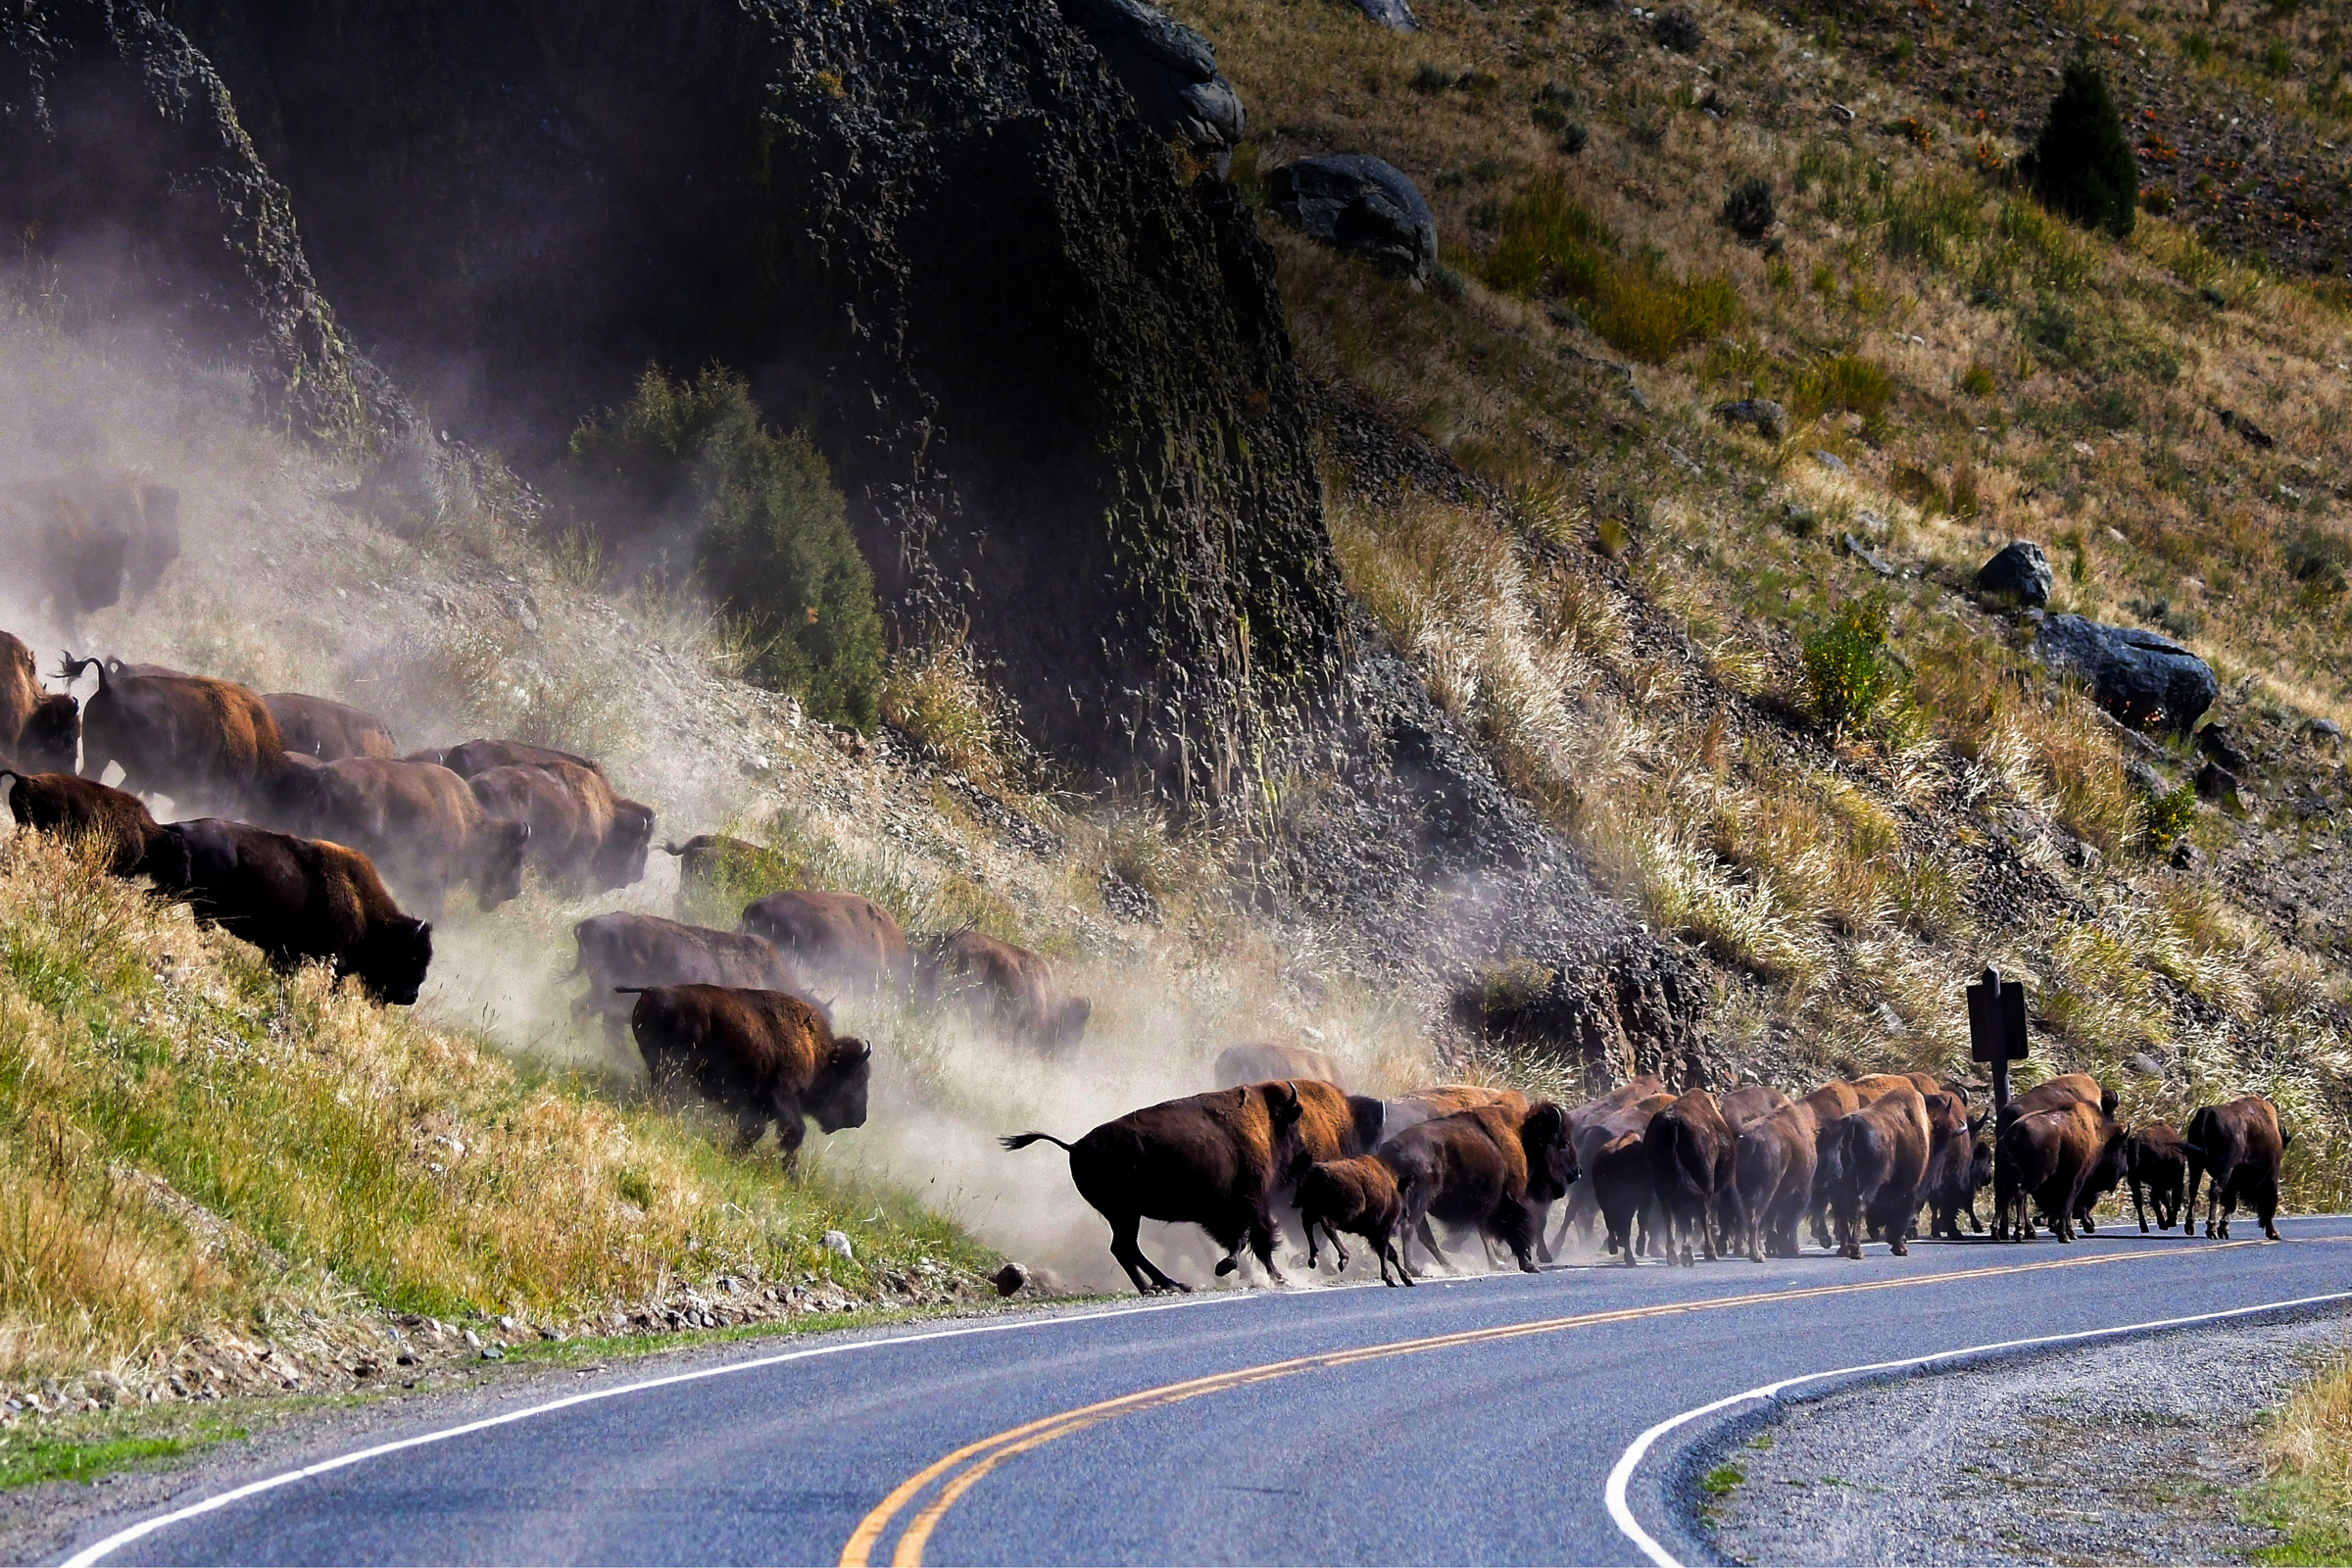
x=1169, y=69
x=2020, y=570
x=1361, y=205
x=2146, y=680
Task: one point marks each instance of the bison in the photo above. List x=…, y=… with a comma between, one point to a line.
x=328, y=730
x=79, y=539
x=2237, y=1148
x=40, y=731
x=1589, y=1134
x=2156, y=1164
x=1619, y=1175
x=1008, y=989
x=1483, y=1167
x=1959, y=1165
x=2045, y=1157
x=114, y=821
x=719, y=870
x=1882, y=1155
x=1257, y=1061
x=423, y=826
x=584, y=838
x=1691, y=1161
x=1359, y=1196
x=761, y=1055
x=1772, y=1175
x=644, y=949
x=469, y=757
x=200, y=741
x=1212, y=1160
x=839, y=938
x=299, y=898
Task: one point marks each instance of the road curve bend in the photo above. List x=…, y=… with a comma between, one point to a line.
x=1498, y=1418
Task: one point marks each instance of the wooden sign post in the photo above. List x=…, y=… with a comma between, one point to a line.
x=1997, y=1028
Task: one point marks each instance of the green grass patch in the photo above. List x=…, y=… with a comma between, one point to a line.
x=2317, y=1530
x=1551, y=246
x=1723, y=1479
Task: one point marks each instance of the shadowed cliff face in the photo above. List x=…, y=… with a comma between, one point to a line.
x=1051, y=376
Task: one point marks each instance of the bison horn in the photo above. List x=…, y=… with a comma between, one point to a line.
x=851, y=1049
x=1292, y=1103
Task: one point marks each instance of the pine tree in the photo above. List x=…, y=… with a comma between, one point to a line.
x=2082, y=164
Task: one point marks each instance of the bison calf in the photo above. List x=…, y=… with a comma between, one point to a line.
x=2156, y=1163
x=762, y=1055
x=1359, y=1196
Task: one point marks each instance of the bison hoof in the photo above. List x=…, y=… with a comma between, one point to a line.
x=1225, y=1267
x=1899, y=1248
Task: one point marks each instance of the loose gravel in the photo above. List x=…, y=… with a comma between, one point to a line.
x=2120, y=1453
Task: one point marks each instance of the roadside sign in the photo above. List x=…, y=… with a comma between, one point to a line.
x=1997, y=1028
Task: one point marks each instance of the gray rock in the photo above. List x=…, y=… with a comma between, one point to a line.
x=2144, y=778
x=1684, y=461
x=1363, y=206
x=1010, y=1279
x=838, y=1243
x=1831, y=461
x=2327, y=729
x=1867, y=555
x=2021, y=570
x=2215, y=742
x=2219, y=785
x=2145, y=680
x=1760, y=415
x=1394, y=15
x=2142, y=1062
x=1168, y=69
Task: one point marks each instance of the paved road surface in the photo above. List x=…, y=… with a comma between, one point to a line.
x=1471, y=1421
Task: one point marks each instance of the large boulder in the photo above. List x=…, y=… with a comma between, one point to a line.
x=1169, y=69
x=1363, y=206
x=2021, y=570
x=2145, y=680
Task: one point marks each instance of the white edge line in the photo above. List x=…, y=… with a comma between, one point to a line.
x=1638, y=1448
x=94, y=1553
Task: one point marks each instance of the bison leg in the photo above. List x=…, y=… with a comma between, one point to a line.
x=2264, y=1202
x=750, y=1125
x=1261, y=1242
x=1429, y=1241
x=1515, y=1227
x=1140, y=1270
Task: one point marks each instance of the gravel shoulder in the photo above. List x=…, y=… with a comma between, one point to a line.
x=2130, y=1452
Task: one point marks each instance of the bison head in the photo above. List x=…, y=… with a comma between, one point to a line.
x=1067, y=1025
x=499, y=875
x=621, y=859
x=1550, y=1156
x=391, y=959
x=51, y=740
x=837, y=1099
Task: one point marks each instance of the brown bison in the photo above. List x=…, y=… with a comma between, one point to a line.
x=1747, y=1104
x=1482, y=1167
x=1959, y=1165
x=1212, y=1160
x=79, y=539
x=115, y=821
x=1772, y=1173
x=1359, y=1196
x=198, y=740
x=1881, y=1153
x=1257, y=1061
x=584, y=838
x=421, y=825
x=1619, y=1174
x=2066, y=1089
x=1589, y=1134
x=2043, y=1159
x=761, y=1055
x=838, y=939
x=300, y=899
x=2237, y=1148
x=714, y=868
x=1692, y=1161
x=2156, y=1163
x=1007, y=988
x=328, y=730
x=1832, y=1104
x=40, y=731
x=469, y=757
x=644, y=949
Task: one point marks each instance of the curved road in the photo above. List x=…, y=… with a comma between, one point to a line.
x=1472, y=1420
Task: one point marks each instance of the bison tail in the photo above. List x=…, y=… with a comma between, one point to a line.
x=672, y=847
x=1024, y=1139
x=73, y=668
x=632, y=990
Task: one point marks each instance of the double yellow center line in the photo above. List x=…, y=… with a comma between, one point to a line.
x=968, y=1465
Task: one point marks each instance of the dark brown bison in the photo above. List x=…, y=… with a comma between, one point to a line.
x=1007, y=988
x=2066, y=1089
x=1772, y=1172
x=1832, y=1104
x=761, y=1055
x=840, y=939
x=1692, y=1161
x=644, y=949
x=2156, y=1164
x=75, y=540
x=40, y=731
x=300, y=899
x=1212, y=1160
x=1747, y=1104
x=1359, y=1196
x=1333, y=1124
x=1882, y=1154
x=1959, y=1166
x=114, y=822
x=469, y=757
x=1589, y=1134
x=1481, y=1168
x=1255, y=1062
x=2043, y=1159
x=328, y=730
x=2238, y=1150
x=421, y=824
x=200, y=741
x=1621, y=1189
x=719, y=870
x=584, y=837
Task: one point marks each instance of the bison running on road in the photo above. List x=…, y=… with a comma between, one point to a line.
x=2239, y=1148
x=1359, y=1196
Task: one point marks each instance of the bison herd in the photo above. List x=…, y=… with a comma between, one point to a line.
x=1674, y=1176
x=322, y=836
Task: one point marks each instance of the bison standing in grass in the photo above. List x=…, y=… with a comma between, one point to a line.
x=621, y=950
x=2239, y=1148
x=1214, y=1160
x=760, y=1055
x=126, y=837
x=1255, y=1062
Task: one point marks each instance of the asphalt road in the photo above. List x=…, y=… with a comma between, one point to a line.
x=1476, y=1420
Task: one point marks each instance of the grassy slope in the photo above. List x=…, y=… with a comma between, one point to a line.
x=1622, y=618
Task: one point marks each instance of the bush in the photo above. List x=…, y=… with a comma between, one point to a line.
x=2319, y=560
x=1550, y=245
x=1748, y=210
x=1847, y=673
x=2082, y=164
x=2169, y=816
x=687, y=484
